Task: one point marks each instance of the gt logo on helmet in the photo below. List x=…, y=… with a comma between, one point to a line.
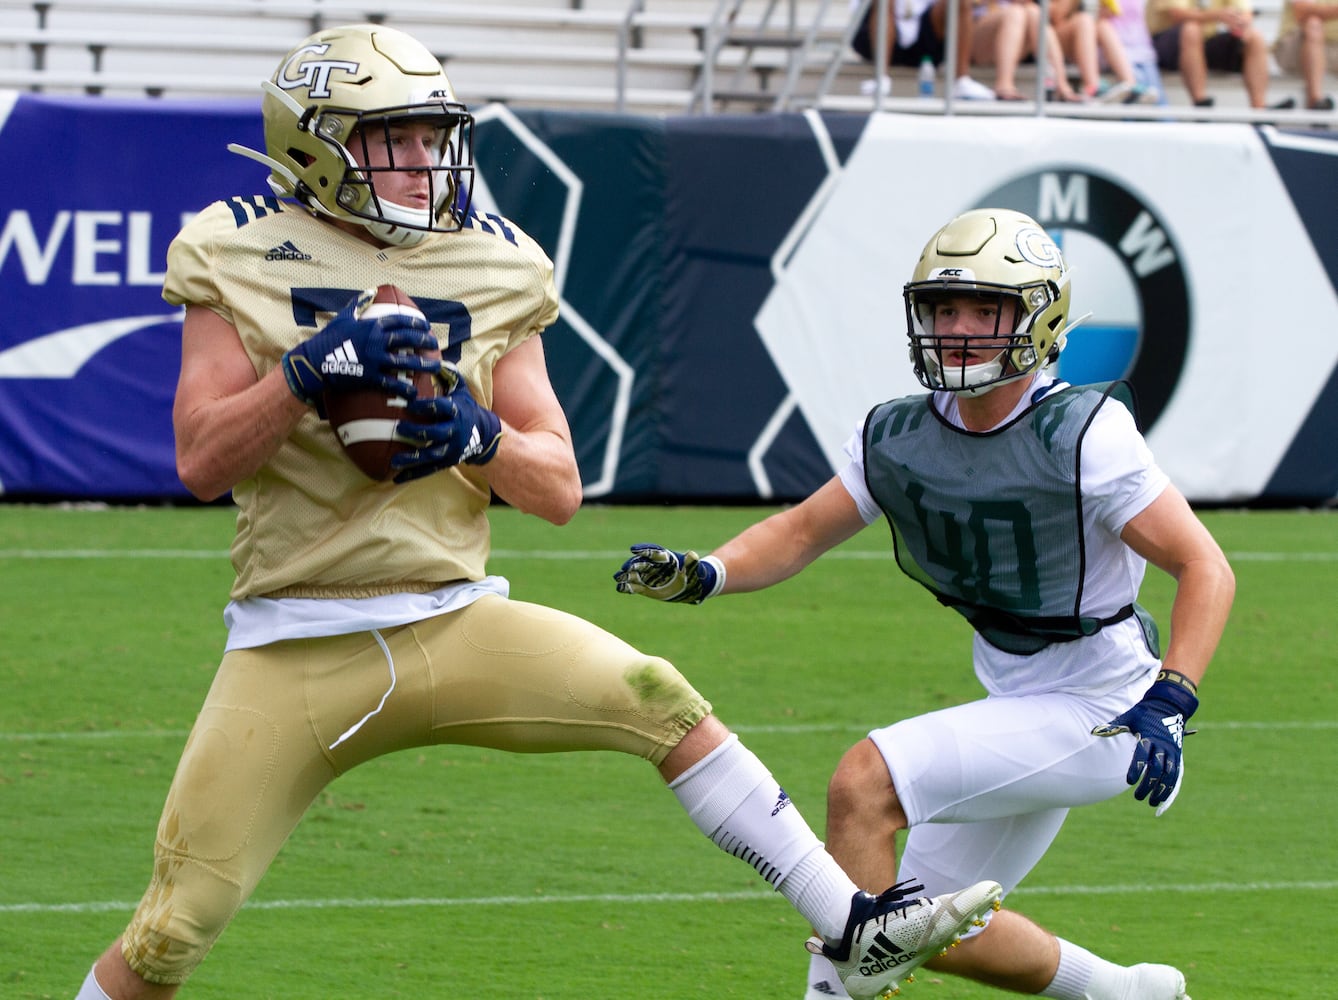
x=314, y=74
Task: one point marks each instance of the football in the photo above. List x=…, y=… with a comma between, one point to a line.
x=364, y=421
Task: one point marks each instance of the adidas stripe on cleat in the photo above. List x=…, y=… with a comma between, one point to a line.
x=888, y=937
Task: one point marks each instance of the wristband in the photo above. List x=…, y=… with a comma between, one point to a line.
x=719, y=582
x=1176, y=677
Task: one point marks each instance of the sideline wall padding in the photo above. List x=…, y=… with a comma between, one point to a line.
x=731, y=285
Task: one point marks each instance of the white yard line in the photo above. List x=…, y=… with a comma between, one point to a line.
x=782, y=729
x=667, y=897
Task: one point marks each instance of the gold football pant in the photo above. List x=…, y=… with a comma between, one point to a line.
x=282, y=721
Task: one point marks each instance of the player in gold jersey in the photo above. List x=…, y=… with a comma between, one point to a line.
x=363, y=619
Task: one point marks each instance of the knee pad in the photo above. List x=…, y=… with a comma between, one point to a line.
x=185, y=909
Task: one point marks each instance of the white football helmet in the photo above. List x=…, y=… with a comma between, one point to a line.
x=1007, y=258
x=333, y=91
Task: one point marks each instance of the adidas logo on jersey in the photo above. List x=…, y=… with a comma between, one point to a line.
x=343, y=360
x=286, y=251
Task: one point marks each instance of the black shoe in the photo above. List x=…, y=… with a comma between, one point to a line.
x=1323, y=104
x=1205, y=102
x=1286, y=104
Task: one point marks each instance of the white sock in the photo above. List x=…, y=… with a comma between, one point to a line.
x=822, y=979
x=735, y=801
x=91, y=990
x=1084, y=976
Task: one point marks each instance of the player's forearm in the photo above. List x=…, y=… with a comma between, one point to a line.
x=535, y=471
x=778, y=547
x=1204, y=593
x=760, y=556
x=770, y=551
x=220, y=442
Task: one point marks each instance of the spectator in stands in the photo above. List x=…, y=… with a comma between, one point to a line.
x=1006, y=32
x=1308, y=42
x=1194, y=36
x=915, y=29
x=1087, y=43
x=1125, y=22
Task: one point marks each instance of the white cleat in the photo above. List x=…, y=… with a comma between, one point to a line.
x=888, y=937
x=1156, y=982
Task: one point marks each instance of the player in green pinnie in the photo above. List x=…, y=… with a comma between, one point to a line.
x=1031, y=507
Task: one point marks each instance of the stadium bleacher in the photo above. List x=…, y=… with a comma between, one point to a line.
x=645, y=56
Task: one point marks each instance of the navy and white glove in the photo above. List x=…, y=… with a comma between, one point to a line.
x=446, y=430
x=1157, y=722
x=666, y=575
x=354, y=353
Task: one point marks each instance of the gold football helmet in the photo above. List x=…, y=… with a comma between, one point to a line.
x=344, y=87
x=1006, y=258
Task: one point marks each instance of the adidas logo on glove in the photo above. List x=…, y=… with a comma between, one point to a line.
x=1175, y=725
x=343, y=360
x=474, y=447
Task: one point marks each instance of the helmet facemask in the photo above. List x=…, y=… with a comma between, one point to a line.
x=377, y=143
x=995, y=342
x=987, y=304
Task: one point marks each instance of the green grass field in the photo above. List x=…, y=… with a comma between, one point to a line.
x=459, y=873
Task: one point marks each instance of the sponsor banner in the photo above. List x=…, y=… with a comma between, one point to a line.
x=740, y=193
x=731, y=285
x=1175, y=235
x=96, y=189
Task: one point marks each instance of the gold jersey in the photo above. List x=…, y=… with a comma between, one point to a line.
x=309, y=524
